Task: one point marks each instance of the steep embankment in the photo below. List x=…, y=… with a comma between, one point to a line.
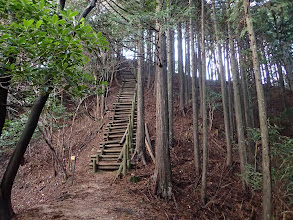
x=37, y=194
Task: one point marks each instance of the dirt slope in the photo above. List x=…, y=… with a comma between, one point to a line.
x=37, y=194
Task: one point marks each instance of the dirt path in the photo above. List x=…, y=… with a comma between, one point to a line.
x=37, y=194
x=93, y=199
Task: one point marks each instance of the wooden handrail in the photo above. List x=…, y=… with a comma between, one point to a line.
x=127, y=139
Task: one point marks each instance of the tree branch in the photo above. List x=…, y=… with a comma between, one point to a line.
x=88, y=9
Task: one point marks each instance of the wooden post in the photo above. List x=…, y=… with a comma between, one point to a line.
x=94, y=165
x=125, y=158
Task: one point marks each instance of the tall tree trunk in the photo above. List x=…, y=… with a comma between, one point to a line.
x=237, y=103
x=268, y=77
x=140, y=132
x=248, y=113
x=266, y=162
x=102, y=110
x=180, y=69
x=173, y=50
x=162, y=175
x=170, y=81
x=230, y=94
x=283, y=55
x=6, y=211
x=204, y=110
x=223, y=91
x=149, y=58
x=4, y=84
x=200, y=73
x=282, y=84
x=187, y=64
x=156, y=66
x=194, y=96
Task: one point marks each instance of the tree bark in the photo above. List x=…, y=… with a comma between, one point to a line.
x=230, y=95
x=149, y=60
x=102, y=105
x=268, y=77
x=6, y=211
x=170, y=82
x=4, y=84
x=187, y=64
x=200, y=72
x=266, y=161
x=162, y=175
x=180, y=69
x=248, y=113
x=194, y=96
x=204, y=110
x=140, y=132
x=223, y=91
x=88, y=9
x=283, y=55
x=237, y=103
x=282, y=84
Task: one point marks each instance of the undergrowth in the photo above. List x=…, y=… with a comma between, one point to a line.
x=281, y=163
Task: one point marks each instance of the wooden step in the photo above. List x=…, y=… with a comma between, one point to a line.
x=113, y=136
x=116, y=131
x=123, y=95
x=122, y=103
x=109, y=158
x=108, y=142
x=124, y=112
x=113, y=145
x=117, y=127
x=111, y=150
x=103, y=167
x=120, y=108
x=108, y=163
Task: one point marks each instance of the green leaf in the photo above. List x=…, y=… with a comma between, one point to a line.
x=61, y=22
x=21, y=40
x=12, y=66
x=30, y=22
x=90, y=35
x=5, y=36
x=39, y=23
x=74, y=13
x=69, y=12
x=25, y=23
x=55, y=19
x=41, y=4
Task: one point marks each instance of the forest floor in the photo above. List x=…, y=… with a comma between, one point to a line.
x=38, y=194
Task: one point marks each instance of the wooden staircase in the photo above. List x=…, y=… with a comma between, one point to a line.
x=119, y=137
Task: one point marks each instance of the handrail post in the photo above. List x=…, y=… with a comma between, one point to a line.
x=124, y=157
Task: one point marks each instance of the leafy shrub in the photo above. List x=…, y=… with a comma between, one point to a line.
x=12, y=131
x=281, y=161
